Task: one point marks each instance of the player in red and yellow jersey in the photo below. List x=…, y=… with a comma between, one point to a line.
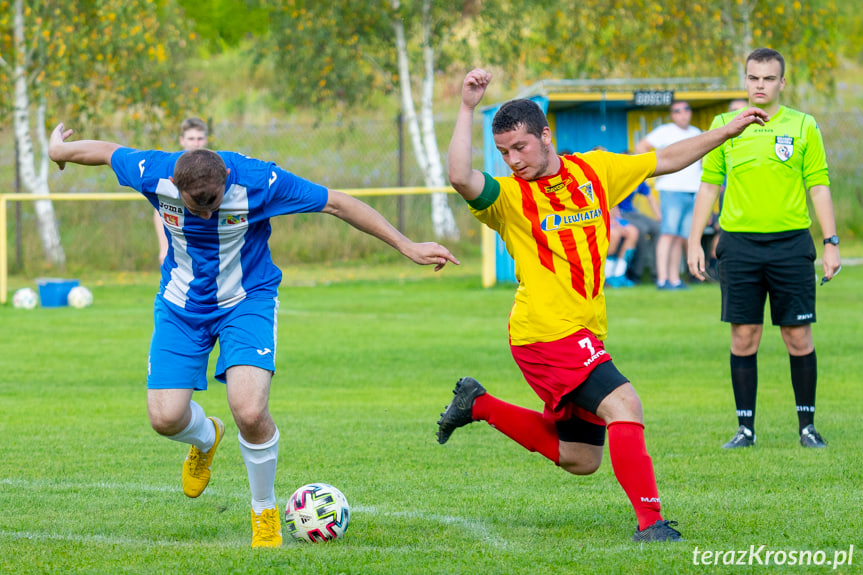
x=553, y=215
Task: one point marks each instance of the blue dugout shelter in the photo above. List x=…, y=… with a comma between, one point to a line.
x=583, y=114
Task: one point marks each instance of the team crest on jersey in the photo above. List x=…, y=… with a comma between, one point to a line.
x=232, y=220
x=171, y=219
x=587, y=191
x=784, y=147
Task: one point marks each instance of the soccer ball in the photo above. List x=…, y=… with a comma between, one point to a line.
x=25, y=298
x=79, y=297
x=317, y=512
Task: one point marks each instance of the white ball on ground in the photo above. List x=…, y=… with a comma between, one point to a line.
x=25, y=298
x=79, y=297
x=317, y=512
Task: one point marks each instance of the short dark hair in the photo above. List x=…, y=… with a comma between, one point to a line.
x=193, y=124
x=765, y=55
x=519, y=112
x=201, y=174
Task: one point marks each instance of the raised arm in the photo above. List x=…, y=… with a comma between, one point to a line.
x=677, y=156
x=84, y=152
x=366, y=219
x=467, y=181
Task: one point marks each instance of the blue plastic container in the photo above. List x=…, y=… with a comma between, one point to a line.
x=54, y=292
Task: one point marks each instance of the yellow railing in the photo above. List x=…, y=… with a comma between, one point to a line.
x=5, y=198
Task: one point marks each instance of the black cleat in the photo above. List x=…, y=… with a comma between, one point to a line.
x=811, y=438
x=459, y=411
x=743, y=438
x=662, y=530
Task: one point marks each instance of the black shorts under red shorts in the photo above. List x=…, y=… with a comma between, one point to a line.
x=572, y=376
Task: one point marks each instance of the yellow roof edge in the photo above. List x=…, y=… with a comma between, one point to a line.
x=694, y=95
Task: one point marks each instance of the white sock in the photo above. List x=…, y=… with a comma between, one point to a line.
x=261, y=465
x=620, y=268
x=200, y=432
x=610, y=266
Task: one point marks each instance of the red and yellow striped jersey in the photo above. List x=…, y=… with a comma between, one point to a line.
x=556, y=229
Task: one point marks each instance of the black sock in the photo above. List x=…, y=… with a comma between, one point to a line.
x=744, y=381
x=804, y=376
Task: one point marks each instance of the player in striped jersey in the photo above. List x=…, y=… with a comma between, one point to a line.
x=219, y=283
x=553, y=215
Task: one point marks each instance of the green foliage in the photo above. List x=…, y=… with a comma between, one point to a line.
x=851, y=31
x=363, y=371
x=224, y=24
x=344, y=49
x=659, y=38
x=94, y=59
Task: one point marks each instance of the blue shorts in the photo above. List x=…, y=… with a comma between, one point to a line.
x=676, y=210
x=181, y=343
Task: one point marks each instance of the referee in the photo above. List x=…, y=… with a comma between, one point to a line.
x=765, y=247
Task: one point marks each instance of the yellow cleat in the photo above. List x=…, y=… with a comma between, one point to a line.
x=196, y=468
x=266, y=528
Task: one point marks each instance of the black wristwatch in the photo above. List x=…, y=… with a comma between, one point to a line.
x=832, y=240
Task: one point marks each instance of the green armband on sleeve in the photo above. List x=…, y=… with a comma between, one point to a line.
x=489, y=194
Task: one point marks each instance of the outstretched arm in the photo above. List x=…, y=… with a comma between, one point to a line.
x=467, y=181
x=84, y=152
x=685, y=152
x=366, y=219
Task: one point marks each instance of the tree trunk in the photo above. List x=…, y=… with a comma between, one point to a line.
x=33, y=182
x=424, y=143
x=442, y=217
x=739, y=33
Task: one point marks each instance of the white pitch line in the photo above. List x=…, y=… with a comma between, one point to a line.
x=470, y=526
x=114, y=540
x=70, y=485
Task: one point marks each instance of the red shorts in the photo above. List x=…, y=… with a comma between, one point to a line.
x=555, y=368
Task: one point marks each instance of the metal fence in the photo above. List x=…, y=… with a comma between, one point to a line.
x=356, y=152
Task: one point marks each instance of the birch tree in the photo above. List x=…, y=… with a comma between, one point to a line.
x=351, y=50
x=80, y=62
x=422, y=129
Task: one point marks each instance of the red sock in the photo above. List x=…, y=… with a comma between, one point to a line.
x=527, y=428
x=634, y=469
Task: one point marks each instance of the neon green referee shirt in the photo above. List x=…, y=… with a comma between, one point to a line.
x=769, y=168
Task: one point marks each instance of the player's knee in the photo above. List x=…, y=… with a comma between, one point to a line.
x=582, y=466
x=164, y=424
x=623, y=404
x=579, y=458
x=250, y=418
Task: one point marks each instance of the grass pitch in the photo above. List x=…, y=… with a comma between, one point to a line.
x=364, y=369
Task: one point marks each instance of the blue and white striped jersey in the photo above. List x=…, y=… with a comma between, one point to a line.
x=215, y=263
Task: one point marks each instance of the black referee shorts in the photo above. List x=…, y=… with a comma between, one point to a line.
x=752, y=266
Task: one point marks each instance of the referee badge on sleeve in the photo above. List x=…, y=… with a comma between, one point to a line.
x=784, y=147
